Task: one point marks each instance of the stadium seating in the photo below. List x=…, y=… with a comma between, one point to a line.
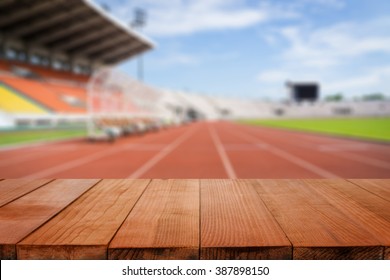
x=46, y=95
x=4, y=66
x=12, y=102
x=76, y=96
x=44, y=72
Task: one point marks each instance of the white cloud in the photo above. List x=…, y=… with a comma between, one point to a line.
x=179, y=17
x=333, y=45
x=372, y=80
x=187, y=22
x=183, y=17
x=331, y=55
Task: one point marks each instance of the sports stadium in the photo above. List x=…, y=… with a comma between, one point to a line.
x=96, y=164
x=59, y=82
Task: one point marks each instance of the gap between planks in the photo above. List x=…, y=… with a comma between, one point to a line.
x=84, y=229
x=21, y=217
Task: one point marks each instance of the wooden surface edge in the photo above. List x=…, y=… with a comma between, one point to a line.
x=339, y=253
x=386, y=253
x=246, y=253
x=61, y=252
x=175, y=253
x=7, y=252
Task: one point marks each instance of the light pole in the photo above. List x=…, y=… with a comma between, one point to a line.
x=139, y=22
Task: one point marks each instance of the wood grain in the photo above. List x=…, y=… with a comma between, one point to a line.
x=322, y=222
x=84, y=229
x=370, y=198
x=236, y=224
x=380, y=187
x=22, y=216
x=11, y=189
x=338, y=253
x=163, y=225
x=192, y=219
x=366, y=199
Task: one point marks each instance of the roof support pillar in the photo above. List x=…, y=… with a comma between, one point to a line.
x=2, y=45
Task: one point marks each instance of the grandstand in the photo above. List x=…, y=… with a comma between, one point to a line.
x=48, y=51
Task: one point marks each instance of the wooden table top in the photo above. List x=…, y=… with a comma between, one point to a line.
x=194, y=219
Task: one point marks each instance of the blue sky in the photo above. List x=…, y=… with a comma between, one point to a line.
x=250, y=48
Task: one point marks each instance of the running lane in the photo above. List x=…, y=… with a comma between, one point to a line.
x=337, y=157
x=196, y=157
x=253, y=158
x=203, y=150
x=83, y=159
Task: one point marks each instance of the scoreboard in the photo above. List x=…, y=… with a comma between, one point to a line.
x=303, y=91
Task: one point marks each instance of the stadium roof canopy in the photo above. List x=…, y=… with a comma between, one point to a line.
x=76, y=28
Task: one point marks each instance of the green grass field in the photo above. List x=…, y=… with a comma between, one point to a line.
x=32, y=136
x=364, y=128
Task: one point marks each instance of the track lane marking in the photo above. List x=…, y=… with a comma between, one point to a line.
x=289, y=157
x=320, y=141
x=33, y=145
x=244, y=147
x=42, y=153
x=163, y=153
x=81, y=161
x=34, y=154
x=222, y=154
x=21, y=159
x=343, y=150
x=365, y=160
x=72, y=164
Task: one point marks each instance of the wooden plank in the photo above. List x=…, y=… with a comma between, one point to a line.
x=163, y=225
x=370, y=195
x=22, y=216
x=321, y=222
x=236, y=224
x=84, y=229
x=380, y=187
x=12, y=189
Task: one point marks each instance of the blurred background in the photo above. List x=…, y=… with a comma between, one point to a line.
x=83, y=69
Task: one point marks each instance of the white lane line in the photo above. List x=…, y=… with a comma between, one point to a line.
x=343, y=147
x=365, y=160
x=163, y=153
x=290, y=157
x=145, y=147
x=20, y=159
x=303, y=163
x=34, y=155
x=222, y=154
x=73, y=163
x=244, y=147
x=346, y=148
x=28, y=145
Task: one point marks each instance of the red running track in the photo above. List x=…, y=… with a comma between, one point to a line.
x=203, y=150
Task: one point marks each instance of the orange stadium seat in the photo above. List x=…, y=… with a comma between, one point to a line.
x=45, y=72
x=78, y=92
x=60, y=75
x=46, y=94
x=4, y=66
